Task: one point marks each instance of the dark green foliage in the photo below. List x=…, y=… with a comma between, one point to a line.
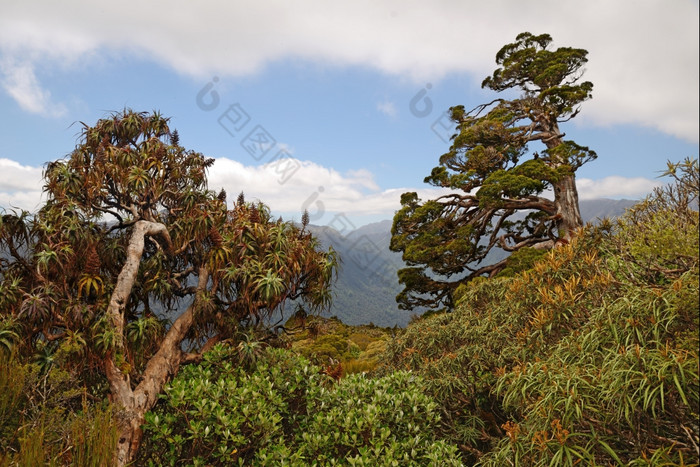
x=445, y=242
x=527, y=64
x=590, y=355
x=283, y=411
x=325, y=348
x=217, y=412
x=384, y=421
x=520, y=261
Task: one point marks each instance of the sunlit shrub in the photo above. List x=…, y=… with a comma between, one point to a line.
x=358, y=366
x=217, y=412
x=360, y=339
x=384, y=421
x=285, y=412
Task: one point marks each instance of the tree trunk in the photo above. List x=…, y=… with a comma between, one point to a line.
x=568, y=213
x=159, y=370
x=161, y=367
x=130, y=434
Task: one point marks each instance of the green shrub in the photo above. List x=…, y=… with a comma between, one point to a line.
x=324, y=348
x=283, y=411
x=657, y=239
x=623, y=388
x=358, y=366
x=217, y=412
x=384, y=421
x=521, y=260
x=361, y=339
x=13, y=378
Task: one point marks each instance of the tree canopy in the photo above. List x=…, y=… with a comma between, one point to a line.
x=500, y=182
x=134, y=267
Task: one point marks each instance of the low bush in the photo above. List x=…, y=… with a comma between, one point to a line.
x=46, y=420
x=284, y=411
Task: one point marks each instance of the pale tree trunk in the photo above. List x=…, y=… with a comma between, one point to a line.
x=161, y=367
x=159, y=370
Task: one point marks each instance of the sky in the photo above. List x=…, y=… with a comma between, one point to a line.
x=336, y=107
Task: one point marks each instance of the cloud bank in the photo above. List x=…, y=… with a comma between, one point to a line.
x=20, y=186
x=291, y=186
x=643, y=54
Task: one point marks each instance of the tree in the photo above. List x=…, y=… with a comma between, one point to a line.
x=500, y=203
x=130, y=236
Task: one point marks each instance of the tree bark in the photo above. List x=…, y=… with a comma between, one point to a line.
x=568, y=213
x=159, y=370
x=565, y=193
x=161, y=367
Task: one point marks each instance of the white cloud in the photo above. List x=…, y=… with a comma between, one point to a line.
x=29, y=200
x=615, y=187
x=305, y=185
x=643, y=55
x=290, y=186
x=387, y=108
x=15, y=176
x=20, y=82
x=20, y=186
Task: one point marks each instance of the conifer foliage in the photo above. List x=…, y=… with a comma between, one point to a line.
x=496, y=175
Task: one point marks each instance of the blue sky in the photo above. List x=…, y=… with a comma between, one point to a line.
x=350, y=96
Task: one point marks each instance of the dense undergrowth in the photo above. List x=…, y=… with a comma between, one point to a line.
x=338, y=347
x=275, y=408
x=590, y=357
x=585, y=355
x=46, y=418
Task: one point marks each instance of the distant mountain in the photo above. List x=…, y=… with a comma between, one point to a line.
x=595, y=209
x=367, y=282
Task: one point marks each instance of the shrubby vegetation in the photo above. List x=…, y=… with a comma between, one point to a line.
x=591, y=356
x=279, y=409
x=586, y=354
x=340, y=348
x=46, y=418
